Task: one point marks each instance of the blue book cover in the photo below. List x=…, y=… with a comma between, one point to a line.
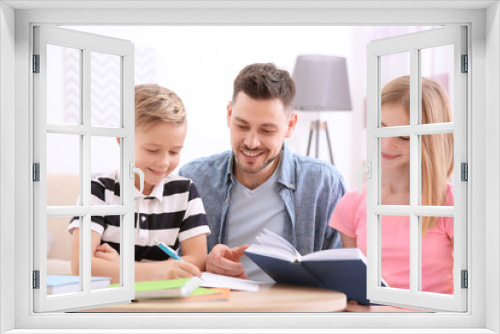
x=347, y=276
x=284, y=271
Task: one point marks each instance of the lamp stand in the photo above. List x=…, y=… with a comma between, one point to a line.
x=317, y=125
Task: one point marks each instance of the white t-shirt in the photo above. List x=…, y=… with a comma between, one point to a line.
x=250, y=211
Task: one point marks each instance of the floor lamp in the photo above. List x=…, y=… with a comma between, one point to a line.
x=322, y=85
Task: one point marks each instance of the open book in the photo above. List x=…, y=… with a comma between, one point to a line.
x=342, y=269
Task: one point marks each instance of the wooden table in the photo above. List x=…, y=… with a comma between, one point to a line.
x=274, y=298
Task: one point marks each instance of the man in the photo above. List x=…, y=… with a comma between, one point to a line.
x=260, y=183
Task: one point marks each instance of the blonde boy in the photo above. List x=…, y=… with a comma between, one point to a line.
x=169, y=209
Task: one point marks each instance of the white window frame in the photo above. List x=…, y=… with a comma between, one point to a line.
x=484, y=146
x=412, y=44
x=86, y=44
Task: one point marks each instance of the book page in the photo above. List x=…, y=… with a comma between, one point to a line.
x=271, y=251
x=336, y=254
x=269, y=238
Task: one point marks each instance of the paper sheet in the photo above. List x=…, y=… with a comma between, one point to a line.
x=211, y=280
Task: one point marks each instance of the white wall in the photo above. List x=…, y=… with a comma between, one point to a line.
x=200, y=63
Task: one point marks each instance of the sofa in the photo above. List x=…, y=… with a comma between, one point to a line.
x=62, y=190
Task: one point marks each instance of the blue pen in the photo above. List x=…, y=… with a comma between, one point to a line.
x=169, y=251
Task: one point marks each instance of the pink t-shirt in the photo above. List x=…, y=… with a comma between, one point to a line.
x=349, y=218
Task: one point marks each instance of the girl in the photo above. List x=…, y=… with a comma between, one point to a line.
x=349, y=217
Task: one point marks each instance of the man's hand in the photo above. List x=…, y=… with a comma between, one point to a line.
x=108, y=253
x=223, y=260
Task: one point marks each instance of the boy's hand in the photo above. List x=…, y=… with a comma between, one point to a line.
x=174, y=269
x=223, y=260
x=108, y=253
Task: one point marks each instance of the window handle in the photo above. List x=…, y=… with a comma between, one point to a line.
x=368, y=171
x=134, y=170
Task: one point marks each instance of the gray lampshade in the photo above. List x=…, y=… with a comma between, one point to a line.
x=322, y=83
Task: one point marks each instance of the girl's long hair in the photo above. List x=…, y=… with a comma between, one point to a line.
x=437, y=150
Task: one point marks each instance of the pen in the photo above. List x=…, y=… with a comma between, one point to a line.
x=169, y=251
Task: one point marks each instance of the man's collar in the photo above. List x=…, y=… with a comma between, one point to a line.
x=287, y=172
x=229, y=170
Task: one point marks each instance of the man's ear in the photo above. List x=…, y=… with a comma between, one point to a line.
x=292, y=123
x=229, y=111
x=118, y=141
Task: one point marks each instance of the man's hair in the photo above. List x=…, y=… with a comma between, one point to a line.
x=154, y=104
x=265, y=82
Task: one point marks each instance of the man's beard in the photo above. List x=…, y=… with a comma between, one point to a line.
x=264, y=164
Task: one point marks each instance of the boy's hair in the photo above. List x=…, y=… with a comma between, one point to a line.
x=154, y=104
x=437, y=150
x=266, y=82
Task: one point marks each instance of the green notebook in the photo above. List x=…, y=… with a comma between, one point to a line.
x=174, y=288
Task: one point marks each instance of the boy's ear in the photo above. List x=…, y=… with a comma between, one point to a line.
x=118, y=141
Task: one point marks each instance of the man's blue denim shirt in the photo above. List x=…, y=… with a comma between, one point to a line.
x=309, y=187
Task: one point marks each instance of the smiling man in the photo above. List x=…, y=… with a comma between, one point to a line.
x=260, y=183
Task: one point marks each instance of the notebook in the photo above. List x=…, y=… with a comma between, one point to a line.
x=58, y=284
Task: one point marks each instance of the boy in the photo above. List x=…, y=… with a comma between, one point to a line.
x=170, y=208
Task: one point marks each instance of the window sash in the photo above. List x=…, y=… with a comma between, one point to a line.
x=86, y=43
x=412, y=43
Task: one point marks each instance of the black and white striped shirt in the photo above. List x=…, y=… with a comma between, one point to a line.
x=172, y=213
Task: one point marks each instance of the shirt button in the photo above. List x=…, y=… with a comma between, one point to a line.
x=143, y=218
x=291, y=185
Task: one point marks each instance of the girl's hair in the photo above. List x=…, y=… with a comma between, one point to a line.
x=437, y=150
x=154, y=104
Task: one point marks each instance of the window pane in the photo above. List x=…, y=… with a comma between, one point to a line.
x=58, y=246
x=63, y=89
x=437, y=169
x=394, y=67
x=105, y=164
x=437, y=254
x=105, y=90
x=395, y=170
x=437, y=70
x=395, y=251
x=59, y=252
x=109, y=248
x=63, y=169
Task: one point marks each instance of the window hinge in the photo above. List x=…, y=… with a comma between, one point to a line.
x=36, y=279
x=36, y=63
x=465, y=279
x=464, y=171
x=36, y=172
x=465, y=64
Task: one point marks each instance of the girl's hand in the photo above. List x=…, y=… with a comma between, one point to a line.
x=353, y=306
x=108, y=253
x=174, y=269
